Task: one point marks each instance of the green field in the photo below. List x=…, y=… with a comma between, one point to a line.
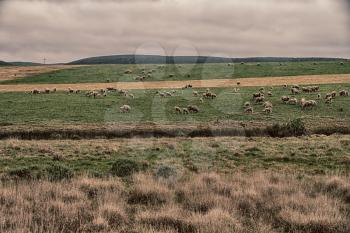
x=115, y=73
x=19, y=108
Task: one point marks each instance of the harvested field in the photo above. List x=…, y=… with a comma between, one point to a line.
x=16, y=72
x=246, y=82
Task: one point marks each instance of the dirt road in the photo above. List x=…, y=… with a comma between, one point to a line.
x=246, y=82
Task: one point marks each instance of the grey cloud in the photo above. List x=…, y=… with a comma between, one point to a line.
x=67, y=30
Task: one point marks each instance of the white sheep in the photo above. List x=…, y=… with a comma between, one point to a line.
x=125, y=108
x=293, y=101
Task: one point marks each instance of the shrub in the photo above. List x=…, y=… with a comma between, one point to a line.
x=57, y=172
x=293, y=128
x=21, y=173
x=124, y=167
x=296, y=127
x=166, y=172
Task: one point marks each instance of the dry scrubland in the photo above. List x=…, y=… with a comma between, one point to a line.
x=168, y=186
x=208, y=203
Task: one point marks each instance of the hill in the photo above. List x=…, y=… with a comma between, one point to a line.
x=20, y=63
x=156, y=59
x=2, y=63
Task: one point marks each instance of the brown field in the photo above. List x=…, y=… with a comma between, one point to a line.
x=246, y=82
x=14, y=72
x=207, y=203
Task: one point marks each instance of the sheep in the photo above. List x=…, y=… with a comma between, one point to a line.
x=319, y=96
x=173, y=91
x=295, y=91
x=47, y=91
x=247, y=104
x=77, y=91
x=131, y=95
x=293, y=101
x=128, y=72
x=35, y=92
x=267, y=110
x=168, y=94
x=111, y=89
x=296, y=86
x=195, y=93
x=307, y=103
x=171, y=75
x=269, y=94
x=306, y=89
x=268, y=104
x=185, y=111
x=343, y=93
x=54, y=90
x=201, y=100
x=70, y=90
x=257, y=95
x=249, y=110
x=178, y=109
x=328, y=95
x=285, y=86
x=259, y=99
x=334, y=94
x=329, y=100
x=262, y=90
x=238, y=83
x=125, y=108
x=161, y=94
x=193, y=108
x=285, y=99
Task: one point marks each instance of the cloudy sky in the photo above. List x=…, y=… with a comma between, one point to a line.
x=66, y=30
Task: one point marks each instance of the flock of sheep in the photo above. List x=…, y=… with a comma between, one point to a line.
x=260, y=98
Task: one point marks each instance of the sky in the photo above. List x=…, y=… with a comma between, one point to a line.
x=66, y=30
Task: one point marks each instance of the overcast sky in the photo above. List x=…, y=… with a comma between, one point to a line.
x=63, y=31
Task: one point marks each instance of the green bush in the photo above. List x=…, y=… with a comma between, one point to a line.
x=57, y=172
x=297, y=127
x=124, y=167
x=293, y=128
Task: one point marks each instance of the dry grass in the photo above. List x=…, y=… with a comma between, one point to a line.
x=246, y=82
x=208, y=203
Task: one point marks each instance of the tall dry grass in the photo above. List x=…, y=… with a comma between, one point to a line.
x=208, y=203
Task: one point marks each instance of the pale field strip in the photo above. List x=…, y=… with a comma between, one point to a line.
x=15, y=72
x=244, y=82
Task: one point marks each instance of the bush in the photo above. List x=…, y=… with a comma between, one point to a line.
x=166, y=172
x=293, y=128
x=57, y=172
x=124, y=167
x=297, y=127
x=21, y=173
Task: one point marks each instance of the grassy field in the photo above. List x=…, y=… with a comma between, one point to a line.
x=305, y=155
x=25, y=108
x=116, y=73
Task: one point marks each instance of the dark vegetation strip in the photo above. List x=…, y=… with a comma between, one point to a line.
x=293, y=128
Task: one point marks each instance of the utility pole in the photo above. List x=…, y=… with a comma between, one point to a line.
x=44, y=61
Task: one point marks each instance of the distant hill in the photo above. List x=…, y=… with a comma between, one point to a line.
x=2, y=63
x=20, y=63
x=155, y=59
